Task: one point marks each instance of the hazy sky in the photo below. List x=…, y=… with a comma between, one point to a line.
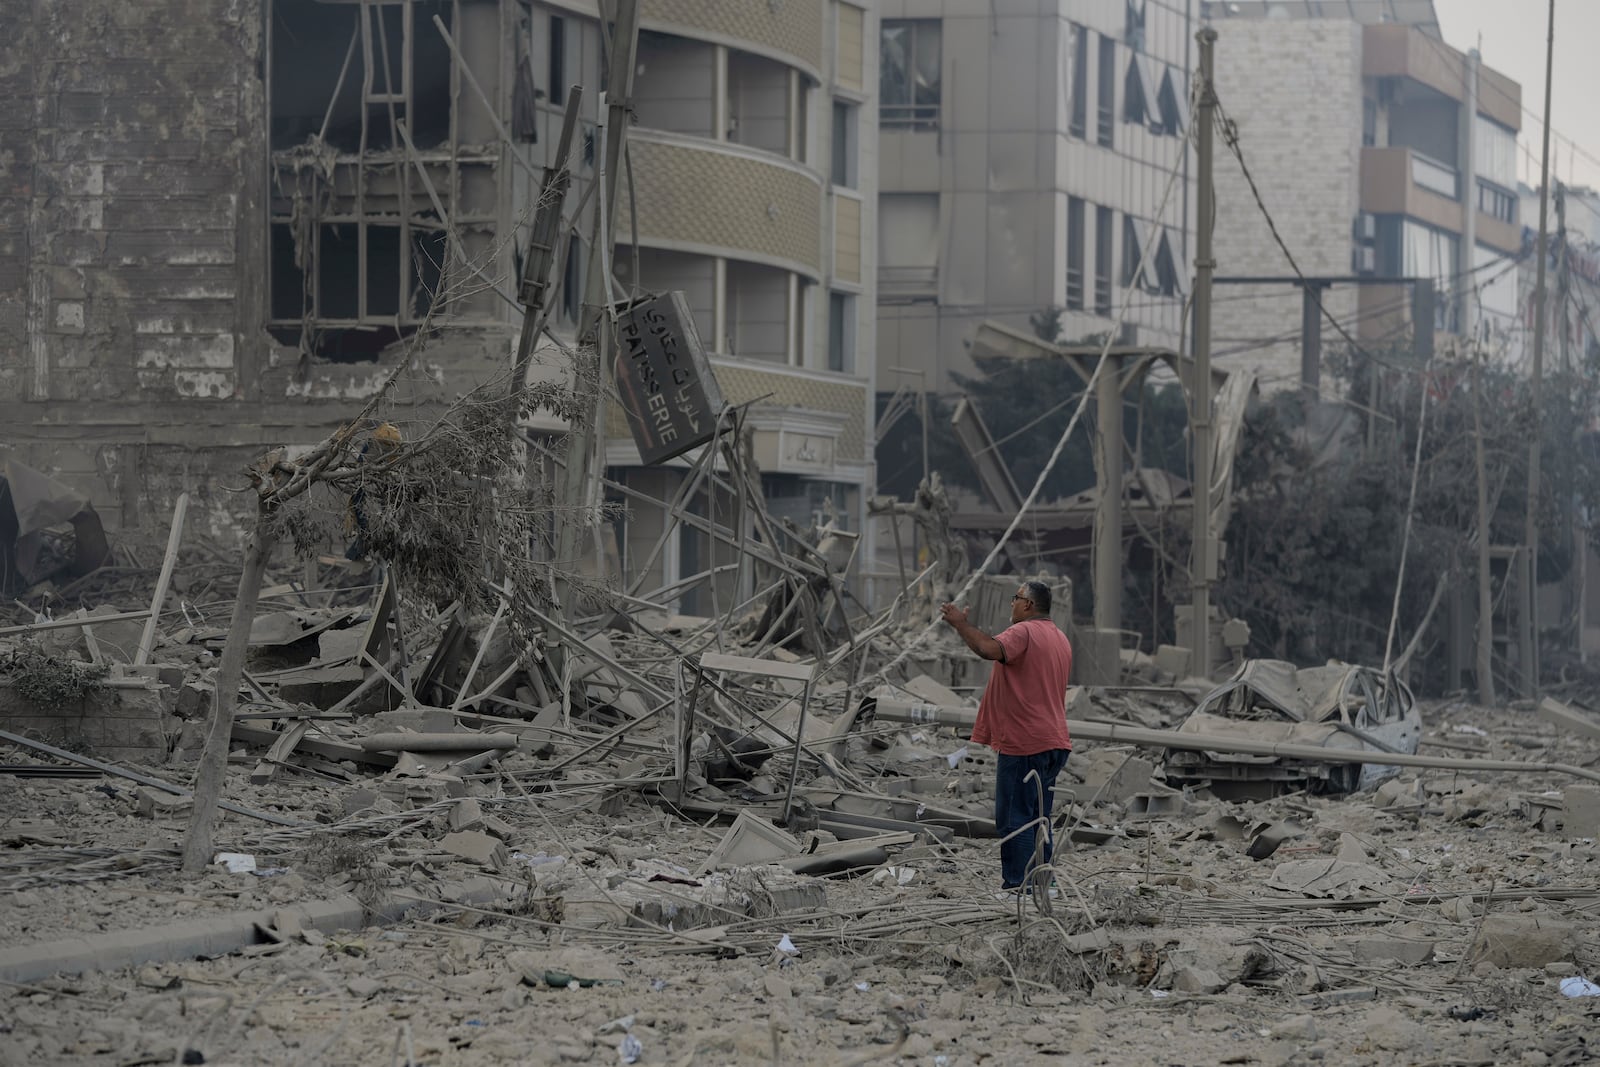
x=1510, y=34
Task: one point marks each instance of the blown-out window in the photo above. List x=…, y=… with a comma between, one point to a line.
x=909, y=91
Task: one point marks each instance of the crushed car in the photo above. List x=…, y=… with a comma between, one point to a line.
x=1340, y=705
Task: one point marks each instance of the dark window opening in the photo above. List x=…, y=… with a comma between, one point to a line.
x=1135, y=93
x=840, y=332
x=844, y=156
x=1173, y=104
x=1079, y=124
x=1106, y=93
x=1102, y=260
x=571, y=284
x=312, y=44
x=557, y=86
x=319, y=71
x=1133, y=32
x=357, y=344
x=338, y=271
x=1130, y=253
x=288, y=280
x=1169, y=276
x=429, y=124
x=383, y=270
x=428, y=251
x=1075, y=218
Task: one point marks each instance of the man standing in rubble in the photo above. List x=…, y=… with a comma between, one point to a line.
x=1023, y=717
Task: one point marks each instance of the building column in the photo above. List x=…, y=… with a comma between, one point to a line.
x=720, y=105
x=719, y=305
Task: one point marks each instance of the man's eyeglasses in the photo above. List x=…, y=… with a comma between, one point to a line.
x=1019, y=596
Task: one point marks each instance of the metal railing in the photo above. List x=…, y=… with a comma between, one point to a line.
x=908, y=117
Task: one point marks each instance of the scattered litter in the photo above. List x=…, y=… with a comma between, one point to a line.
x=1577, y=986
x=236, y=862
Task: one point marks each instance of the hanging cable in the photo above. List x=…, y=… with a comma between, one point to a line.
x=912, y=646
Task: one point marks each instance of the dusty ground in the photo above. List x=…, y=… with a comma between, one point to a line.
x=1462, y=907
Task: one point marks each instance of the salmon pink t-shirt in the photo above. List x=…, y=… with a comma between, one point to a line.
x=1024, y=706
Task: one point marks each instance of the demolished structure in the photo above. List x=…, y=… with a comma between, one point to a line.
x=426, y=785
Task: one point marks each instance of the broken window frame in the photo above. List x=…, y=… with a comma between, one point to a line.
x=316, y=187
x=904, y=102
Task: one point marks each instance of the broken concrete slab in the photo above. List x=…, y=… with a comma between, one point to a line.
x=1524, y=940
x=1328, y=877
x=476, y=847
x=1568, y=719
x=1409, y=946
x=750, y=841
x=1580, y=811
x=1114, y=775
x=466, y=814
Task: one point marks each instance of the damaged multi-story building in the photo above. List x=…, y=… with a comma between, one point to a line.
x=1386, y=159
x=1034, y=158
x=223, y=223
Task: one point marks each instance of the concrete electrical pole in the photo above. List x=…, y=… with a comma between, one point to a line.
x=1203, y=554
x=1528, y=632
x=580, y=479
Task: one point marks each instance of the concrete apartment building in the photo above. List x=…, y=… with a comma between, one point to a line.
x=218, y=224
x=1380, y=152
x=1024, y=149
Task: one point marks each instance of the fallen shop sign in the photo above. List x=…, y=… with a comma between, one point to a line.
x=668, y=392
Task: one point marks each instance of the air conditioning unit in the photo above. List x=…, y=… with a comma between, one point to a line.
x=1364, y=260
x=1365, y=229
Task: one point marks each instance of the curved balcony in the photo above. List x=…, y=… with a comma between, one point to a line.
x=790, y=31
x=721, y=199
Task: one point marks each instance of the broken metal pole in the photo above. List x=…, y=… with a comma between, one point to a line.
x=147, y=640
x=578, y=484
x=213, y=770
x=142, y=779
x=543, y=238
x=68, y=624
x=933, y=714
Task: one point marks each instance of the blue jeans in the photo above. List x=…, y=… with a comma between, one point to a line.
x=1016, y=804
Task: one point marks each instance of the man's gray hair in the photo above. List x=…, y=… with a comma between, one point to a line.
x=1039, y=593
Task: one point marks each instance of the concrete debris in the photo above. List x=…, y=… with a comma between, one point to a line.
x=1530, y=940
x=477, y=847
x=622, y=836
x=1580, y=811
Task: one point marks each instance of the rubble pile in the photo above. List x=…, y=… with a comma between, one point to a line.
x=645, y=837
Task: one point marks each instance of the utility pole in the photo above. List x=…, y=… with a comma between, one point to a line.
x=578, y=482
x=1485, y=659
x=1108, y=510
x=1528, y=632
x=1311, y=341
x=1202, y=560
x=1466, y=294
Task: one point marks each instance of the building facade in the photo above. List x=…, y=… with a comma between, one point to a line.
x=1379, y=152
x=1025, y=151
x=222, y=226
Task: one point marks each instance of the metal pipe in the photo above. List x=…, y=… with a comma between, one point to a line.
x=936, y=715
